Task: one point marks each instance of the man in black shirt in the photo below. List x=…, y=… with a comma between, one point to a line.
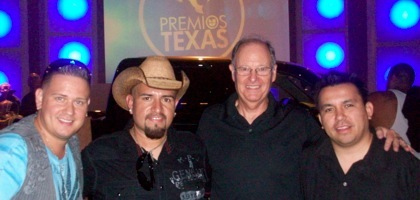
x=254, y=142
x=149, y=160
x=352, y=164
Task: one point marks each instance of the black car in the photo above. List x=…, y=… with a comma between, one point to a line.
x=210, y=83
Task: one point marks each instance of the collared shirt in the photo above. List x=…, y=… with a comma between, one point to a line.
x=110, y=168
x=379, y=175
x=13, y=162
x=258, y=160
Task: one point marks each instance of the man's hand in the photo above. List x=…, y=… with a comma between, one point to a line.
x=392, y=138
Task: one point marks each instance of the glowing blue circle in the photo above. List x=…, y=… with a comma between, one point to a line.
x=5, y=24
x=405, y=14
x=75, y=50
x=329, y=55
x=330, y=8
x=3, y=78
x=72, y=9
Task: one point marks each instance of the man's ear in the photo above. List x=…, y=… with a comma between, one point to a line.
x=274, y=73
x=129, y=100
x=369, y=109
x=319, y=118
x=38, y=98
x=232, y=71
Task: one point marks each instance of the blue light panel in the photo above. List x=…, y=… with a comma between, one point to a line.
x=3, y=78
x=72, y=9
x=5, y=24
x=405, y=14
x=75, y=50
x=330, y=8
x=330, y=55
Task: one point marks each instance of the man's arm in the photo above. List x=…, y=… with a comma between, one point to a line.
x=13, y=164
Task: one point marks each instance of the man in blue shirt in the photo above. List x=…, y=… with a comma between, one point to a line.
x=40, y=156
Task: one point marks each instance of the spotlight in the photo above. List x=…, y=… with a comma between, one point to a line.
x=329, y=55
x=75, y=50
x=330, y=8
x=405, y=14
x=72, y=9
x=5, y=24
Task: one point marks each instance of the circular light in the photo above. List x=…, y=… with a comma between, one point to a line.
x=72, y=9
x=330, y=8
x=329, y=55
x=3, y=78
x=75, y=50
x=405, y=14
x=5, y=24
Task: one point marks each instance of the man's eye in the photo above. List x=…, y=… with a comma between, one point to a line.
x=167, y=100
x=348, y=105
x=80, y=103
x=59, y=99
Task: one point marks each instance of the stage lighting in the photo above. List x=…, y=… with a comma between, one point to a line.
x=405, y=14
x=75, y=50
x=329, y=55
x=3, y=78
x=72, y=9
x=330, y=8
x=5, y=24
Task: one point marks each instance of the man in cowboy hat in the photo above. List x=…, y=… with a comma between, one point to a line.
x=150, y=160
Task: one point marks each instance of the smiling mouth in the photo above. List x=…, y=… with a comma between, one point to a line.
x=252, y=86
x=65, y=121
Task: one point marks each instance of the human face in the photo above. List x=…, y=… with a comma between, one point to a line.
x=153, y=110
x=344, y=116
x=253, y=88
x=62, y=106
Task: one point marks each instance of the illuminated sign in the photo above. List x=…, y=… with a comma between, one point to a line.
x=191, y=28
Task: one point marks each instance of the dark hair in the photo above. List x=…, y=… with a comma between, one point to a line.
x=66, y=67
x=401, y=71
x=254, y=39
x=335, y=78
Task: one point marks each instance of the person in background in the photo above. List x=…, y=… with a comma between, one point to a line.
x=40, y=156
x=28, y=106
x=389, y=104
x=254, y=142
x=7, y=94
x=149, y=160
x=352, y=164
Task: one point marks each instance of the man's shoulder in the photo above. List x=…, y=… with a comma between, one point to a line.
x=186, y=139
x=106, y=143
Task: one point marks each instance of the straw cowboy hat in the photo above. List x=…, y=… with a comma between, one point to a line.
x=155, y=72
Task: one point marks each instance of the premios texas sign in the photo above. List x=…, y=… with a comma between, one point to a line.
x=191, y=27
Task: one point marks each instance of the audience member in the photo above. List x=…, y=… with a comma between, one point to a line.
x=352, y=164
x=40, y=156
x=254, y=142
x=9, y=106
x=28, y=106
x=389, y=104
x=150, y=160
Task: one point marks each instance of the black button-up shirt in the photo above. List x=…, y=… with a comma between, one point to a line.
x=380, y=175
x=258, y=160
x=110, y=168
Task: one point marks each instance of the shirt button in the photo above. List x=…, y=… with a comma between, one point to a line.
x=344, y=184
x=161, y=187
x=250, y=130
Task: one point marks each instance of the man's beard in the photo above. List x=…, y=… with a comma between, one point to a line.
x=155, y=132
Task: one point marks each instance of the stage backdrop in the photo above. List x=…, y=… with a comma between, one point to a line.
x=190, y=27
